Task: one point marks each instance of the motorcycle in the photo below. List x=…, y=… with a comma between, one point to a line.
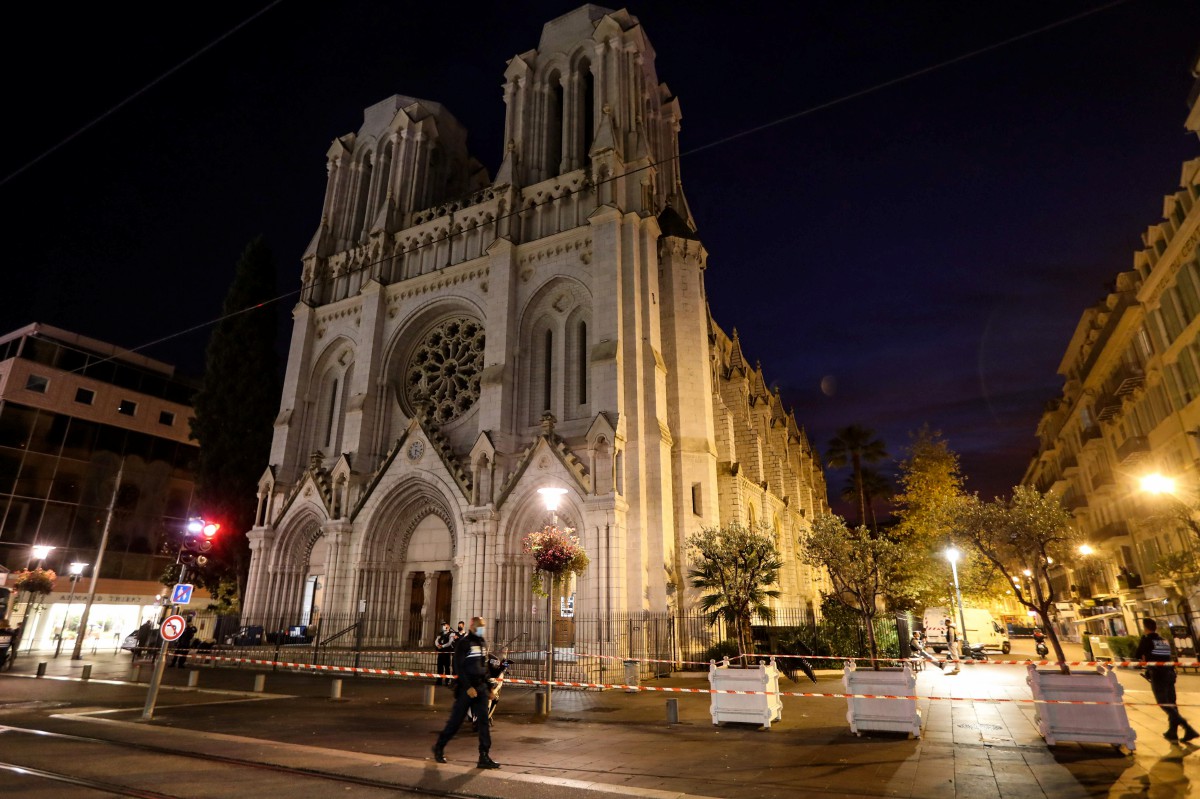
x=1039, y=639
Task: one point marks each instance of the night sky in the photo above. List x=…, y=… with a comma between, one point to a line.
x=925, y=249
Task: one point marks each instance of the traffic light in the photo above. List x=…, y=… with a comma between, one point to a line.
x=198, y=538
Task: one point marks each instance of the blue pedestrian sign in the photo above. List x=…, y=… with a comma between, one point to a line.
x=181, y=594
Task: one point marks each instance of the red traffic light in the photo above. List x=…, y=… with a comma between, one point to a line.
x=210, y=530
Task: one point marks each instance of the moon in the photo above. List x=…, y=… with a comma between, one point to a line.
x=829, y=385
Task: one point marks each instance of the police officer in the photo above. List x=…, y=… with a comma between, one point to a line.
x=470, y=656
x=444, y=644
x=1153, y=648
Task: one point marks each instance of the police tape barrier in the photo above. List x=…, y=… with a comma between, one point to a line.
x=1123, y=663
x=672, y=690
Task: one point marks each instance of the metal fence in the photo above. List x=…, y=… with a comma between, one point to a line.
x=586, y=648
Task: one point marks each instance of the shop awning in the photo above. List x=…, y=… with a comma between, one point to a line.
x=1112, y=614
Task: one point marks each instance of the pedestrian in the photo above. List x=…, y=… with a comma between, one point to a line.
x=1153, y=648
x=470, y=662
x=918, y=647
x=444, y=644
x=183, y=646
x=143, y=639
x=953, y=645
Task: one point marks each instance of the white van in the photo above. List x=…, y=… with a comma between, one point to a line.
x=981, y=629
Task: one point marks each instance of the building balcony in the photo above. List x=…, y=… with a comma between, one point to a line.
x=1132, y=450
x=1111, y=530
x=1108, y=406
x=1089, y=434
x=1069, y=463
x=1074, y=500
x=1103, y=481
x=1126, y=379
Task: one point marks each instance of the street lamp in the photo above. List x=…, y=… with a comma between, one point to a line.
x=952, y=555
x=39, y=552
x=76, y=571
x=551, y=497
x=1158, y=484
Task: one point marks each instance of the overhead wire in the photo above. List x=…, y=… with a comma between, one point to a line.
x=591, y=185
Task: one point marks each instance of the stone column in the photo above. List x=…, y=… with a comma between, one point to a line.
x=260, y=552
x=427, y=600
x=337, y=586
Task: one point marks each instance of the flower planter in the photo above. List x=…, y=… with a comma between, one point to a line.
x=759, y=708
x=1108, y=724
x=882, y=715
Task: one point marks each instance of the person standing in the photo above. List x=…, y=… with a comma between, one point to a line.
x=470, y=663
x=183, y=647
x=953, y=645
x=444, y=644
x=1153, y=648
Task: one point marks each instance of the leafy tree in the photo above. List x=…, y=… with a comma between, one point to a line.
x=734, y=567
x=235, y=410
x=853, y=446
x=931, y=486
x=862, y=567
x=1022, y=537
x=875, y=485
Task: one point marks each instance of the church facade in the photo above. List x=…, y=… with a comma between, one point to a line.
x=464, y=340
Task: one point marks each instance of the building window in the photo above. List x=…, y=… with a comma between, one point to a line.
x=329, y=421
x=547, y=370
x=85, y=396
x=37, y=384
x=167, y=418
x=582, y=363
x=127, y=408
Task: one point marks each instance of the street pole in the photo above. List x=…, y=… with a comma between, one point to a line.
x=962, y=616
x=66, y=614
x=161, y=665
x=77, y=653
x=550, y=637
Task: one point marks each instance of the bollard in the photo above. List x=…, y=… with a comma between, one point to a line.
x=87, y=672
x=41, y=672
x=672, y=711
x=260, y=683
x=193, y=678
x=539, y=704
x=427, y=698
x=335, y=689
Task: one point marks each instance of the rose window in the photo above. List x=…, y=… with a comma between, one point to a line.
x=445, y=369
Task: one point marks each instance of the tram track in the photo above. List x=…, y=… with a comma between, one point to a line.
x=118, y=789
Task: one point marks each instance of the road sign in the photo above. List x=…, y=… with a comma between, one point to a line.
x=181, y=594
x=172, y=627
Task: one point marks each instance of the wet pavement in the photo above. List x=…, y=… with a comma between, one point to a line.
x=597, y=742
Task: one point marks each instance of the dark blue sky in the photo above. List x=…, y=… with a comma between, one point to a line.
x=930, y=245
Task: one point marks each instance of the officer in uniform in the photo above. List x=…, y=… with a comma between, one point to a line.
x=1153, y=648
x=470, y=663
x=444, y=644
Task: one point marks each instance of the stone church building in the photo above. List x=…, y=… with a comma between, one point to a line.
x=464, y=340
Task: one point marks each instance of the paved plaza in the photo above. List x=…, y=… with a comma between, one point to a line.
x=599, y=742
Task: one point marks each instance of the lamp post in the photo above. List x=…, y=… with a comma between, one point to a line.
x=76, y=571
x=39, y=552
x=550, y=496
x=952, y=555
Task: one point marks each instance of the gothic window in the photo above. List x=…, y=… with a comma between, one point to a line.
x=581, y=362
x=362, y=195
x=548, y=371
x=445, y=369
x=588, y=111
x=331, y=416
x=554, y=124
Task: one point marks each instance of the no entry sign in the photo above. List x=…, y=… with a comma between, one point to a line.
x=172, y=627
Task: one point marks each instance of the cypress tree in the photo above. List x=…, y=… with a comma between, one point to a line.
x=235, y=411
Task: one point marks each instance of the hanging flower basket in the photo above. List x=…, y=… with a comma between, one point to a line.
x=555, y=552
x=38, y=581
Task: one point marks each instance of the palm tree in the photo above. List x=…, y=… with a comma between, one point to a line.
x=734, y=568
x=853, y=446
x=875, y=485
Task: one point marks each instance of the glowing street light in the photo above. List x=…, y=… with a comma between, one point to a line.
x=1158, y=484
x=76, y=571
x=551, y=496
x=952, y=555
x=39, y=552
x=1085, y=549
